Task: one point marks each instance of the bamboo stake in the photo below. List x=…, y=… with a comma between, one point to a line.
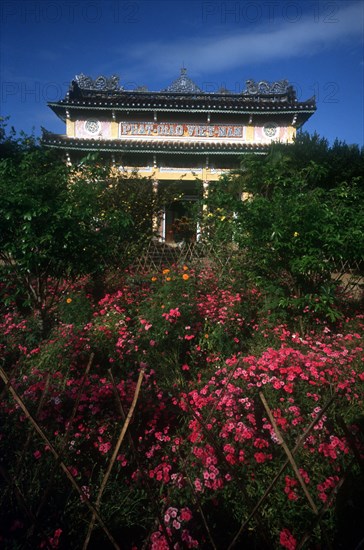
x=142, y=471
x=288, y=453
x=30, y=432
x=62, y=465
x=66, y=436
x=323, y=510
x=228, y=467
x=113, y=458
x=198, y=504
x=280, y=471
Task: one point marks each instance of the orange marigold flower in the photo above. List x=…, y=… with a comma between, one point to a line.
x=185, y=277
x=165, y=271
x=168, y=278
x=185, y=268
x=69, y=300
x=154, y=279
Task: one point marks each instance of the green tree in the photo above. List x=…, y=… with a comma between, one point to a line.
x=59, y=222
x=298, y=219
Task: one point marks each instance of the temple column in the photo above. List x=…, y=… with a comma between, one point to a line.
x=70, y=128
x=205, y=193
x=158, y=220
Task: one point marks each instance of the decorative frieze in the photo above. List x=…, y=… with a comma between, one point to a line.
x=93, y=128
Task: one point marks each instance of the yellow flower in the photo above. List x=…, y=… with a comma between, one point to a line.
x=296, y=234
x=185, y=277
x=154, y=279
x=165, y=271
x=69, y=300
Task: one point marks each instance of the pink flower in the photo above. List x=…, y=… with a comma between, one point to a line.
x=287, y=540
x=176, y=524
x=105, y=447
x=37, y=455
x=198, y=485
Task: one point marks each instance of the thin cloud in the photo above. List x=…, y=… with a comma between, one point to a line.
x=219, y=52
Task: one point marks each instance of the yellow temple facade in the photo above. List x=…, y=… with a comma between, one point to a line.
x=177, y=135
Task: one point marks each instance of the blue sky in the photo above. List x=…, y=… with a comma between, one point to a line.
x=316, y=44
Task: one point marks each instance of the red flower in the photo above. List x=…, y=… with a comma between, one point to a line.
x=287, y=540
x=262, y=457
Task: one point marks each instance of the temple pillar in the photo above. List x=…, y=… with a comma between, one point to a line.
x=249, y=135
x=70, y=128
x=114, y=127
x=205, y=194
x=158, y=220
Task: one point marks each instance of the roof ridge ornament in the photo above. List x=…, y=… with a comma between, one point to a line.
x=101, y=83
x=183, y=84
x=265, y=87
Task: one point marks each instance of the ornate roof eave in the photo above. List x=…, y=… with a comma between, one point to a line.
x=156, y=98
x=85, y=145
x=299, y=109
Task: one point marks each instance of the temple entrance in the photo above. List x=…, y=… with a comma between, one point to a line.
x=180, y=221
x=179, y=225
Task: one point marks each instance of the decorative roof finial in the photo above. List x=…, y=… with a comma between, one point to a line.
x=101, y=83
x=183, y=84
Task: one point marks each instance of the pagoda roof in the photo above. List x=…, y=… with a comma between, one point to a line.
x=182, y=95
x=165, y=146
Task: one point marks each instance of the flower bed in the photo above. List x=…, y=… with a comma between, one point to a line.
x=224, y=395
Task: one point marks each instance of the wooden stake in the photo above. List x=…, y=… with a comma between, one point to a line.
x=113, y=458
x=62, y=465
x=288, y=453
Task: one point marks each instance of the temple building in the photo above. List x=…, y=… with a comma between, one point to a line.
x=180, y=135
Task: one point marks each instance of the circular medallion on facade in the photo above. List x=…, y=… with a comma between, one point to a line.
x=270, y=129
x=92, y=126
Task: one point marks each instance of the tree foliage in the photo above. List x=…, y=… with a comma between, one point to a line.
x=59, y=221
x=301, y=213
